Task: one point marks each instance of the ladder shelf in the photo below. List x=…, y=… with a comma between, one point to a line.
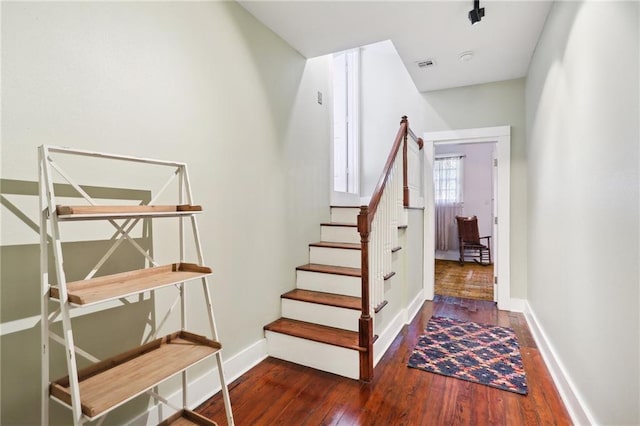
x=187, y=418
x=104, y=385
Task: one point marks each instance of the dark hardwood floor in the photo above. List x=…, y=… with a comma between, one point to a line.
x=276, y=392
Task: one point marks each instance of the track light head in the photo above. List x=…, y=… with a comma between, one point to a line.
x=477, y=13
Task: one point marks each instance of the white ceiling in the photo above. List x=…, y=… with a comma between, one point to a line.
x=502, y=42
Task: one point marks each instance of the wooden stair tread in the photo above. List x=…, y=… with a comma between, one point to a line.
x=380, y=306
x=351, y=225
x=329, y=299
x=317, y=333
x=114, y=212
x=109, y=383
x=330, y=269
x=114, y=286
x=328, y=244
x=345, y=207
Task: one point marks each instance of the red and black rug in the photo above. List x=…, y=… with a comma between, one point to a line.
x=480, y=353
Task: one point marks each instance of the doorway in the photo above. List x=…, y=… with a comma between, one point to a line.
x=464, y=186
x=501, y=137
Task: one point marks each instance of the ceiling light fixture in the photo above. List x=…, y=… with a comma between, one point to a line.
x=477, y=13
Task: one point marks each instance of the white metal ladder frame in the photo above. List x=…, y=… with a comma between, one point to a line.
x=48, y=212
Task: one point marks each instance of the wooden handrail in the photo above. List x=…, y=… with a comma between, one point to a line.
x=418, y=140
x=365, y=219
x=401, y=137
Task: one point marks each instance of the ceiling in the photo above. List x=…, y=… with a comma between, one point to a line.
x=502, y=43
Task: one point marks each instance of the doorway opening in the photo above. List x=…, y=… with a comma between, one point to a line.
x=501, y=138
x=464, y=178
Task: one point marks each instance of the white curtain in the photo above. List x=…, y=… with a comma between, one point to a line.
x=447, y=178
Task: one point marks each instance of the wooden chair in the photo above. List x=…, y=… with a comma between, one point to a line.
x=469, y=239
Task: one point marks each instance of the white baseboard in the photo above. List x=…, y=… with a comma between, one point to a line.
x=514, y=305
x=447, y=255
x=414, y=306
x=405, y=316
x=207, y=385
x=578, y=410
x=386, y=338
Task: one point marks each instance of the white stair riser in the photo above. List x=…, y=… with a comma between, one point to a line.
x=334, y=359
x=345, y=215
x=330, y=316
x=329, y=283
x=334, y=256
x=339, y=234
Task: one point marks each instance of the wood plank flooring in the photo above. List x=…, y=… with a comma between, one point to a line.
x=277, y=392
x=471, y=281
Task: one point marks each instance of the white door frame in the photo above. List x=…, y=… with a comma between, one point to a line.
x=502, y=137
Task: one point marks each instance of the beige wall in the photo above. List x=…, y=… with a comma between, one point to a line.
x=583, y=111
x=202, y=83
x=487, y=105
x=388, y=93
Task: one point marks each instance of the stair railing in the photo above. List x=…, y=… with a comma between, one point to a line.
x=378, y=225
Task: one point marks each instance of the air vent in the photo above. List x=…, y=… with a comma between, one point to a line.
x=426, y=63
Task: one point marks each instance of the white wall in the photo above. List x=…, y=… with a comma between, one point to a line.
x=487, y=105
x=477, y=186
x=388, y=93
x=582, y=106
x=198, y=82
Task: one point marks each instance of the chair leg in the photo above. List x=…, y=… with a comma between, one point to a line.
x=461, y=258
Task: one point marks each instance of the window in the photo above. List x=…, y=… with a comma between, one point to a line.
x=447, y=179
x=345, y=121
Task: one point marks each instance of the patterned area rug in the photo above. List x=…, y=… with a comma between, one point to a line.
x=479, y=353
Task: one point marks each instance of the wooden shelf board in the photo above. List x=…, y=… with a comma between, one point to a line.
x=124, y=284
x=114, y=381
x=67, y=213
x=187, y=418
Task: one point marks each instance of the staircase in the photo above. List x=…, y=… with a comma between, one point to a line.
x=319, y=324
x=328, y=319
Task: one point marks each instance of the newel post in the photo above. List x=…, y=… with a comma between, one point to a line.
x=405, y=166
x=365, y=324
